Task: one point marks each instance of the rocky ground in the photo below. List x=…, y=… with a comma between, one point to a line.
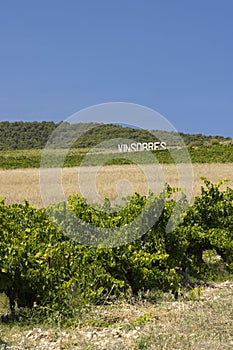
x=203, y=319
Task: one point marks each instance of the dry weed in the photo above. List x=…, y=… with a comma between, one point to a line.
x=113, y=182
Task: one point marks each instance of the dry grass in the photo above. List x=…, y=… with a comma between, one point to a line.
x=113, y=182
x=197, y=321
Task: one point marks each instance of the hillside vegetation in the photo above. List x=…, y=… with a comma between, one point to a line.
x=34, y=135
x=21, y=145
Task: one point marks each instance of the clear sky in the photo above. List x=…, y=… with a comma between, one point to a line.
x=174, y=56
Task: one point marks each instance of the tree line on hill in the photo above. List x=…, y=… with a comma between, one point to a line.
x=35, y=135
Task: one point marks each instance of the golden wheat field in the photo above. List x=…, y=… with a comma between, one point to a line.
x=113, y=182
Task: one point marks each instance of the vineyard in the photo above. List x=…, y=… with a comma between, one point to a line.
x=78, y=266
x=19, y=159
x=44, y=267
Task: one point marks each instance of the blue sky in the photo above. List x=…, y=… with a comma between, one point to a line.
x=174, y=56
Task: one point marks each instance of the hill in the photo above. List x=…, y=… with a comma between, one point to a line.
x=34, y=135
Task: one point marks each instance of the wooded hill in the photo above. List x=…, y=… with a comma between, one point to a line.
x=34, y=135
